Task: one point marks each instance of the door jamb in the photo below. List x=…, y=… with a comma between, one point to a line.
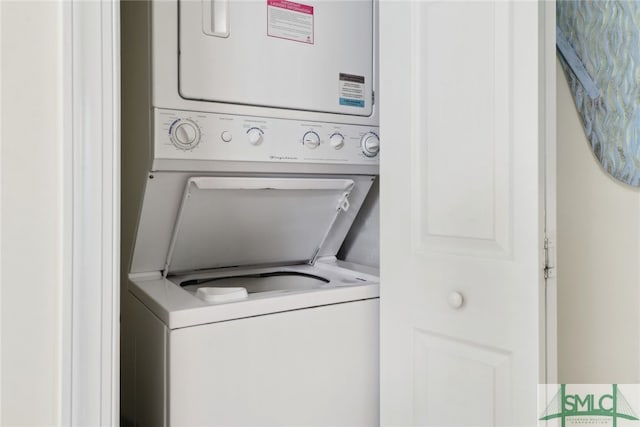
x=90, y=298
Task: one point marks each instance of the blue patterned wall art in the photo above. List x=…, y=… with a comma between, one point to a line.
x=599, y=48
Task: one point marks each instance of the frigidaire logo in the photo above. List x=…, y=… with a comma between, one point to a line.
x=586, y=408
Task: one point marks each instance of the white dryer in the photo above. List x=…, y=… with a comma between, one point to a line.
x=250, y=143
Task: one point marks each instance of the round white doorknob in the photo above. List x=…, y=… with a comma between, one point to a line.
x=455, y=299
x=255, y=136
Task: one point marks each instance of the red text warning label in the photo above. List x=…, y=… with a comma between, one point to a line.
x=289, y=20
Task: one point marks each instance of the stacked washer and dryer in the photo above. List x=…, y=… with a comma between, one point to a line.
x=250, y=145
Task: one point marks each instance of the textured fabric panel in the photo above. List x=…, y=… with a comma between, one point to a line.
x=605, y=36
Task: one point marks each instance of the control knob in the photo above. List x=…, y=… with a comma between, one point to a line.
x=254, y=135
x=311, y=140
x=370, y=144
x=185, y=134
x=336, y=140
x=226, y=136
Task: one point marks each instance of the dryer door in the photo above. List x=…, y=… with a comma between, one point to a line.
x=311, y=55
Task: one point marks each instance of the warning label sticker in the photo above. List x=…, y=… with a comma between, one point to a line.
x=290, y=21
x=351, y=90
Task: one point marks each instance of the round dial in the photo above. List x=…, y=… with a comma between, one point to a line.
x=311, y=139
x=337, y=141
x=370, y=144
x=185, y=134
x=226, y=136
x=254, y=135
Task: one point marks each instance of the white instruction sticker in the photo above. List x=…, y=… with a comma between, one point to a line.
x=351, y=90
x=290, y=21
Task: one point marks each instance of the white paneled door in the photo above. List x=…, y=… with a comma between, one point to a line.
x=462, y=194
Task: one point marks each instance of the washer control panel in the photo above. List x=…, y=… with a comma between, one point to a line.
x=209, y=136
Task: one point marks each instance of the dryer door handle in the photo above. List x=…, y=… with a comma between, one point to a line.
x=215, y=17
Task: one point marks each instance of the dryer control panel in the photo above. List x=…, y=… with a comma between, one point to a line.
x=207, y=136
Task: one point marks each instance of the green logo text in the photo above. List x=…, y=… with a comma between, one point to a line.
x=612, y=405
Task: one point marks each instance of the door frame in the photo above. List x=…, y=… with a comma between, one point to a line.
x=90, y=298
x=549, y=370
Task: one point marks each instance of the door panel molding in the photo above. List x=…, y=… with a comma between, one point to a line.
x=462, y=118
x=466, y=368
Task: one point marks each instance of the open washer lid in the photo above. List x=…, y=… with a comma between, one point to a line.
x=226, y=222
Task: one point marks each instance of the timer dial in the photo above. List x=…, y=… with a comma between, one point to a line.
x=370, y=144
x=311, y=140
x=336, y=140
x=254, y=136
x=185, y=134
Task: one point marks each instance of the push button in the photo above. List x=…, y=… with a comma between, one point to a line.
x=226, y=136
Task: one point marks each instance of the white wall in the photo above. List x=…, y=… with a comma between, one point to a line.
x=598, y=261
x=31, y=194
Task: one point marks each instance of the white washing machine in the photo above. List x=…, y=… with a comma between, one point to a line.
x=250, y=143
